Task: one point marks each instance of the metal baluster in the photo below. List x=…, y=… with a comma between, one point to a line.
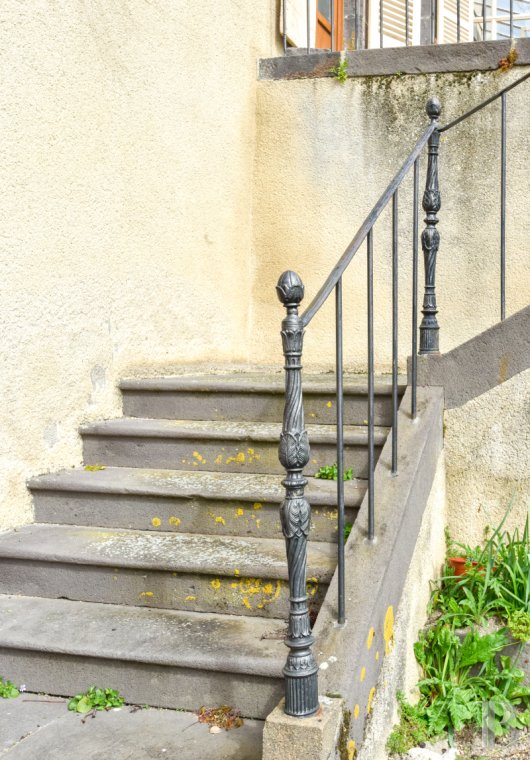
x=308, y=14
x=430, y=238
x=433, y=21
x=357, y=27
x=371, y=453
x=503, y=205
x=284, y=9
x=483, y=19
x=332, y=23
x=340, y=445
x=381, y=23
x=300, y=671
x=394, y=333
x=415, y=232
x=406, y=23
x=511, y=19
x=458, y=20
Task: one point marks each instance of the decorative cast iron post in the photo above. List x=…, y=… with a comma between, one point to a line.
x=300, y=671
x=430, y=238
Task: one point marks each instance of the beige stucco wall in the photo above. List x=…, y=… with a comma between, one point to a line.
x=487, y=446
x=326, y=152
x=128, y=137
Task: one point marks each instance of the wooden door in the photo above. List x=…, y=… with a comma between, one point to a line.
x=323, y=27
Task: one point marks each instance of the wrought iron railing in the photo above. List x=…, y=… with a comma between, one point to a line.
x=394, y=23
x=300, y=671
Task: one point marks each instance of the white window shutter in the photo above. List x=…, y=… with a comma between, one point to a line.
x=394, y=16
x=447, y=27
x=296, y=22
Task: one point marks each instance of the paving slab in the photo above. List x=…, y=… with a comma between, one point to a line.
x=35, y=726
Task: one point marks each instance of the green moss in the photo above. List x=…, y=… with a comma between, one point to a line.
x=342, y=745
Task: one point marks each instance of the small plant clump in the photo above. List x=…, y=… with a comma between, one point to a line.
x=505, y=64
x=94, y=467
x=347, y=530
x=96, y=699
x=222, y=717
x=329, y=472
x=466, y=680
x=8, y=690
x=340, y=71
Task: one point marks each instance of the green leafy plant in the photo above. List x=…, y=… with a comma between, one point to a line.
x=519, y=625
x=329, y=472
x=340, y=71
x=411, y=730
x=96, y=699
x=8, y=690
x=347, y=530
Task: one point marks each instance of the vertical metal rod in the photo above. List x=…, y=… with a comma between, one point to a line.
x=301, y=670
x=395, y=333
x=381, y=23
x=415, y=233
x=458, y=20
x=332, y=22
x=433, y=21
x=371, y=458
x=284, y=9
x=483, y=19
x=503, y=205
x=406, y=23
x=340, y=445
x=511, y=19
x=308, y=14
x=357, y=27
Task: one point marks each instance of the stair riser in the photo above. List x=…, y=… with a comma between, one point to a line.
x=214, y=456
x=250, y=407
x=141, y=683
x=192, y=515
x=234, y=595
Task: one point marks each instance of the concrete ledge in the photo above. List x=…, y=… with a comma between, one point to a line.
x=482, y=363
x=419, y=59
x=287, y=738
x=351, y=655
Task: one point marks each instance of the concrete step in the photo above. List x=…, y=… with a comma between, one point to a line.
x=217, y=446
x=237, y=504
x=248, y=397
x=165, y=658
x=166, y=570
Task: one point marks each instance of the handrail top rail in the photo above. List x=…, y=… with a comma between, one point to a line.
x=342, y=264
x=484, y=103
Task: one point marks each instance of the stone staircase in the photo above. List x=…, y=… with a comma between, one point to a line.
x=161, y=570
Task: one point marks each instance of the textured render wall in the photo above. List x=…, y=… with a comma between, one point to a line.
x=400, y=669
x=327, y=151
x=128, y=136
x=487, y=446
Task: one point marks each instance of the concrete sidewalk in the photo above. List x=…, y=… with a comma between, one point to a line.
x=38, y=727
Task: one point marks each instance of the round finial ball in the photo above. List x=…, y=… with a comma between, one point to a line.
x=433, y=108
x=290, y=288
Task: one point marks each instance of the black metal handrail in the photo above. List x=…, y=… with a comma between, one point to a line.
x=301, y=671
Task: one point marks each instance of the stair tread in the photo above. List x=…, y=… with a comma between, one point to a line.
x=159, y=551
x=198, y=640
x=139, y=427
x=185, y=483
x=273, y=383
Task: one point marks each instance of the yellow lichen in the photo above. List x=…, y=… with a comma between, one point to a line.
x=388, y=630
x=370, y=639
x=363, y=674
x=351, y=749
x=146, y=593
x=257, y=505
x=156, y=522
x=371, y=696
x=220, y=519
x=240, y=512
x=356, y=711
x=219, y=459
x=174, y=521
x=216, y=583
x=190, y=598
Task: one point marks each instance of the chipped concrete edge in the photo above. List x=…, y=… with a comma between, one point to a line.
x=480, y=364
x=351, y=656
x=417, y=59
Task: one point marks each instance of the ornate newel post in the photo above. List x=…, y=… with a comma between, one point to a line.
x=300, y=671
x=430, y=238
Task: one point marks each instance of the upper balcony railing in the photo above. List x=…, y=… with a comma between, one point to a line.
x=335, y=25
